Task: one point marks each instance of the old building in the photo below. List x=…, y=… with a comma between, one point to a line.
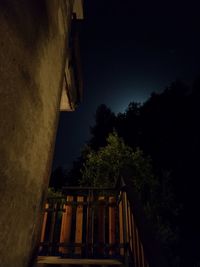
x=39, y=75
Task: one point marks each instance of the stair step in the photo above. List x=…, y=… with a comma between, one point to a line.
x=51, y=260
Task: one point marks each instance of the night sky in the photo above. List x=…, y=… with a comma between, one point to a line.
x=128, y=49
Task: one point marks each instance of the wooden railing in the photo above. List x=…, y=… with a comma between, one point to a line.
x=83, y=224
x=93, y=223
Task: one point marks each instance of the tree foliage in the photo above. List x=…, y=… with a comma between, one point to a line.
x=103, y=167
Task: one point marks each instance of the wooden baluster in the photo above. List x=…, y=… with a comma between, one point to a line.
x=126, y=217
x=130, y=228
x=125, y=227
x=79, y=225
x=121, y=233
x=90, y=226
x=101, y=224
x=134, y=241
x=44, y=224
x=66, y=225
x=112, y=224
x=63, y=222
x=52, y=228
x=138, y=248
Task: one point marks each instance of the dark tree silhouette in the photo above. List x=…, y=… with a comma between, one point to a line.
x=128, y=125
x=104, y=124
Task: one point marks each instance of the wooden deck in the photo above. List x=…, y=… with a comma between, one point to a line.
x=49, y=260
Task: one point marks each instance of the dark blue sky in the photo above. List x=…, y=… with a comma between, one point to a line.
x=129, y=49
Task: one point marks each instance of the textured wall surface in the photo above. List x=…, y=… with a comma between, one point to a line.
x=33, y=40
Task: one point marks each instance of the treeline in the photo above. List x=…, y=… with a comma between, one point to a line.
x=166, y=128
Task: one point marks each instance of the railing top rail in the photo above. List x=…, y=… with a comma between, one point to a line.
x=88, y=188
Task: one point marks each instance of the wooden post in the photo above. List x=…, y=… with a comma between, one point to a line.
x=112, y=226
x=101, y=224
x=79, y=225
x=66, y=225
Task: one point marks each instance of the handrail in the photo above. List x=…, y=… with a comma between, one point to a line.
x=151, y=246
x=86, y=188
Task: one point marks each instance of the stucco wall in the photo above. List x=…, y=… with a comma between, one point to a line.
x=33, y=39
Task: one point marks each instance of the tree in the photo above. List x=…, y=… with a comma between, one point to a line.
x=103, y=167
x=128, y=125
x=104, y=124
